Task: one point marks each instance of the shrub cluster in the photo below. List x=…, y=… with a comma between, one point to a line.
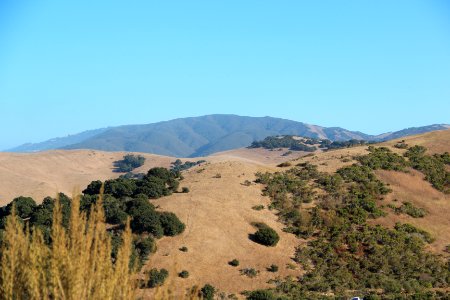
x=179, y=166
x=156, y=278
x=266, y=236
x=304, y=143
x=383, y=158
x=329, y=145
x=287, y=141
x=433, y=166
x=158, y=182
x=129, y=163
x=122, y=198
x=409, y=209
x=347, y=253
x=207, y=292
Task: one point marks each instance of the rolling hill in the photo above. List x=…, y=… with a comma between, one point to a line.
x=201, y=136
x=218, y=210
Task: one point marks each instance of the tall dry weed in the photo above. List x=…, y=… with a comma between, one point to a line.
x=77, y=265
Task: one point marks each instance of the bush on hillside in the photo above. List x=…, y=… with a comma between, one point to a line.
x=156, y=278
x=432, y=166
x=24, y=207
x=179, y=166
x=266, y=236
x=383, y=158
x=261, y=295
x=183, y=274
x=409, y=209
x=207, y=292
x=129, y=163
x=234, y=263
x=171, y=224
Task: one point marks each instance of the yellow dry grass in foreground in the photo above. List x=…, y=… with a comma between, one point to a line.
x=76, y=266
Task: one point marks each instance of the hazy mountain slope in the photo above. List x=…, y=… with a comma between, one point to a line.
x=410, y=131
x=200, y=136
x=57, y=142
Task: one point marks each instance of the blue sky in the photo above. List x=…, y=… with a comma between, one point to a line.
x=69, y=66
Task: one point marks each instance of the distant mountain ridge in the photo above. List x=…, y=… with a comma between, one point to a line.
x=201, y=136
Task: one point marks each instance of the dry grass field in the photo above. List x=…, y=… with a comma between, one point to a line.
x=46, y=173
x=218, y=214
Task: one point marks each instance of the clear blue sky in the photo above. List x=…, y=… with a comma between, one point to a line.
x=69, y=66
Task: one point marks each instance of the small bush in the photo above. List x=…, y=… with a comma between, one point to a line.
x=261, y=295
x=129, y=163
x=247, y=183
x=401, y=145
x=24, y=206
x=234, y=263
x=273, y=268
x=266, y=236
x=258, y=207
x=409, y=209
x=207, y=292
x=185, y=190
x=171, y=224
x=184, y=249
x=249, y=272
x=157, y=278
x=184, y=274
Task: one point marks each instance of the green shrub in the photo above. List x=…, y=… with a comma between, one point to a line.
x=266, y=236
x=129, y=163
x=24, y=207
x=261, y=295
x=171, y=224
x=234, y=263
x=249, y=272
x=184, y=274
x=144, y=245
x=412, y=230
x=287, y=141
x=207, y=292
x=157, y=278
x=184, y=249
x=273, y=268
x=409, y=209
x=432, y=166
x=258, y=207
x=144, y=218
x=383, y=158
x=185, y=190
x=401, y=145
x=179, y=166
x=114, y=210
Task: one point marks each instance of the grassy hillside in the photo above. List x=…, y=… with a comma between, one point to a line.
x=224, y=201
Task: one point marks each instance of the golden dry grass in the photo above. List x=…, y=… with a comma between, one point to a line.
x=76, y=266
x=218, y=215
x=435, y=142
x=413, y=188
x=46, y=173
x=259, y=156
